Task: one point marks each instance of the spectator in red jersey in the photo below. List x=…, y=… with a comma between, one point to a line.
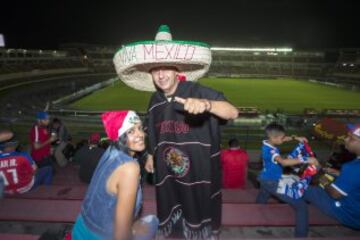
x=41, y=140
x=234, y=164
x=18, y=171
x=5, y=135
x=2, y=186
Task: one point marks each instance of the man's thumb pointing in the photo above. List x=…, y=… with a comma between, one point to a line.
x=179, y=100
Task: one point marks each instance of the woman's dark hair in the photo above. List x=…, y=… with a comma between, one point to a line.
x=121, y=144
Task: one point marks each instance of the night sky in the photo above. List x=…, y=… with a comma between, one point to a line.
x=299, y=24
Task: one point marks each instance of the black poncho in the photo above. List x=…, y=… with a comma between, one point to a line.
x=187, y=161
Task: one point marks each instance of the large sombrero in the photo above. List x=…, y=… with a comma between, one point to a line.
x=134, y=61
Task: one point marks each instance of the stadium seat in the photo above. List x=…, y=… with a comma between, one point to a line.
x=66, y=211
x=9, y=236
x=77, y=192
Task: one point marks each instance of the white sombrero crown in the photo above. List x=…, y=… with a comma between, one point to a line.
x=134, y=61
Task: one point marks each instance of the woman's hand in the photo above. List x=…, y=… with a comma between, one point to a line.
x=149, y=164
x=140, y=228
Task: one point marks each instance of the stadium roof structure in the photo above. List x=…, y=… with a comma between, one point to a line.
x=255, y=49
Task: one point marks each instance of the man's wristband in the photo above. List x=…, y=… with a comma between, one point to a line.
x=209, y=106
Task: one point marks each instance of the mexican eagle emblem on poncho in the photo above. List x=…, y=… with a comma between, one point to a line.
x=177, y=161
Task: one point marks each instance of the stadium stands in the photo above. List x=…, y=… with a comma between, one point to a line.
x=22, y=60
x=61, y=204
x=98, y=58
x=18, y=236
x=50, y=73
x=232, y=215
x=299, y=63
x=334, y=65
x=339, y=66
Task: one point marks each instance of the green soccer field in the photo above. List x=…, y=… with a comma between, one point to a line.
x=292, y=96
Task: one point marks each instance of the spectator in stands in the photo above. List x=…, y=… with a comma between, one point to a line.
x=114, y=196
x=88, y=157
x=234, y=163
x=63, y=140
x=272, y=171
x=2, y=186
x=41, y=140
x=338, y=158
x=104, y=143
x=341, y=199
x=5, y=135
x=19, y=171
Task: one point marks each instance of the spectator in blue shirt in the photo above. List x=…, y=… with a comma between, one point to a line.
x=341, y=199
x=270, y=176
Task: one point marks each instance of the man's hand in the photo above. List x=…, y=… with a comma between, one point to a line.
x=34, y=166
x=300, y=139
x=149, y=164
x=313, y=161
x=332, y=171
x=53, y=137
x=288, y=138
x=194, y=105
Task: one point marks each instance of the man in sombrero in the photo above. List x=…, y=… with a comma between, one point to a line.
x=183, y=126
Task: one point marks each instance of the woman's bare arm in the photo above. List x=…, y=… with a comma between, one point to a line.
x=128, y=181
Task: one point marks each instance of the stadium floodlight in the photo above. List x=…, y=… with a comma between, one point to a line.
x=2, y=40
x=251, y=49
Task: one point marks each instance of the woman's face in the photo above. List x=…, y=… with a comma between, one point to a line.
x=136, y=138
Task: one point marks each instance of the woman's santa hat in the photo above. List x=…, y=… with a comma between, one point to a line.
x=116, y=123
x=134, y=61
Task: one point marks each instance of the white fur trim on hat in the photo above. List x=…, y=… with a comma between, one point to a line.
x=130, y=120
x=134, y=61
x=357, y=132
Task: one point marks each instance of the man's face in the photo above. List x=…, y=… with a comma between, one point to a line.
x=56, y=125
x=5, y=135
x=165, y=79
x=277, y=139
x=44, y=122
x=352, y=143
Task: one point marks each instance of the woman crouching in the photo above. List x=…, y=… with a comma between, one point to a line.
x=114, y=197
